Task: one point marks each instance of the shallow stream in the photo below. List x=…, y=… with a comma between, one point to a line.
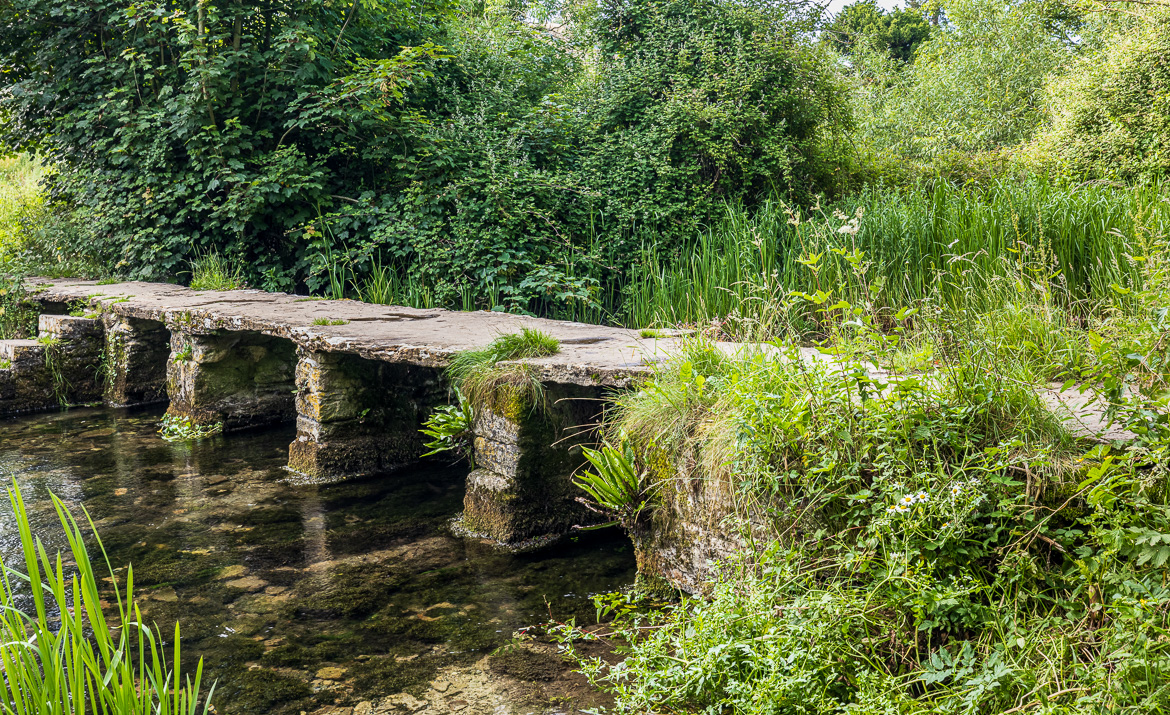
x=310, y=598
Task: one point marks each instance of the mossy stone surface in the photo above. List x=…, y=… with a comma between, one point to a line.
x=357, y=417
x=523, y=489
x=137, y=353
x=238, y=378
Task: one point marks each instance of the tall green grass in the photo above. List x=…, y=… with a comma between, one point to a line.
x=59, y=652
x=384, y=285
x=213, y=271
x=943, y=240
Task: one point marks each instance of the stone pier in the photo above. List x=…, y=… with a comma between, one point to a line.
x=357, y=416
x=63, y=366
x=137, y=354
x=238, y=379
x=73, y=352
x=525, y=456
x=25, y=385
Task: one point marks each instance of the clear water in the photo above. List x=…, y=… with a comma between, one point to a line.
x=295, y=596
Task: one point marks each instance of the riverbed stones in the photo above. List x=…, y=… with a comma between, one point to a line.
x=357, y=417
x=239, y=379
x=137, y=353
x=526, y=451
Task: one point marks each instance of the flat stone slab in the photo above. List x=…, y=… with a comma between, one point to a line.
x=590, y=354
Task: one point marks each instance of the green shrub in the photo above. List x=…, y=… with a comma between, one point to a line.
x=975, y=85
x=19, y=194
x=616, y=487
x=450, y=428
x=18, y=316
x=1110, y=114
x=489, y=162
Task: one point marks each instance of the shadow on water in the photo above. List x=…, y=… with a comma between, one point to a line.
x=296, y=596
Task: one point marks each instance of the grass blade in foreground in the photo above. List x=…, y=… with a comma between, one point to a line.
x=65, y=656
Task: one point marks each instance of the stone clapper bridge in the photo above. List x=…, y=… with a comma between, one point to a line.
x=359, y=387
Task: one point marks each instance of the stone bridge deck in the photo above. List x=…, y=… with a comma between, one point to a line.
x=590, y=354
x=359, y=380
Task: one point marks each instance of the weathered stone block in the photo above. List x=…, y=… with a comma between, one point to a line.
x=73, y=353
x=523, y=489
x=7, y=385
x=358, y=416
x=24, y=382
x=240, y=379
x=22, y=354
x=137, y=353
x=698, y=522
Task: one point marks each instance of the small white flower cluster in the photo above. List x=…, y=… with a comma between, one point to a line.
x=907, y=501
x=960, y=487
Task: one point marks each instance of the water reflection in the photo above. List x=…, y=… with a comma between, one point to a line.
x=298, y=596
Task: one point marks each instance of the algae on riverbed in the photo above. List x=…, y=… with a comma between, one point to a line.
x=279, y=585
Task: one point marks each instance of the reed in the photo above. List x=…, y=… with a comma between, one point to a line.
x=60, y=650
x=952, y=242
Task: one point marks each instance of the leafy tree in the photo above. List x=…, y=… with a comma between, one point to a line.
x=475, y=155
x=975, y=85
x=1110, y=114
x=182, y=124
x=899, y=32
x=701, y=101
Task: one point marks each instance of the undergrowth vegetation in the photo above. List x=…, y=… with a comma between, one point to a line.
x=927, y=526
x=485, y=382
x=18, y=319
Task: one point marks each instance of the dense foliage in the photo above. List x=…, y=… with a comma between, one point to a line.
x=1111, y=114
x=182, y=129
x=470, y=150
x=976, y=84
x=926, y=537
